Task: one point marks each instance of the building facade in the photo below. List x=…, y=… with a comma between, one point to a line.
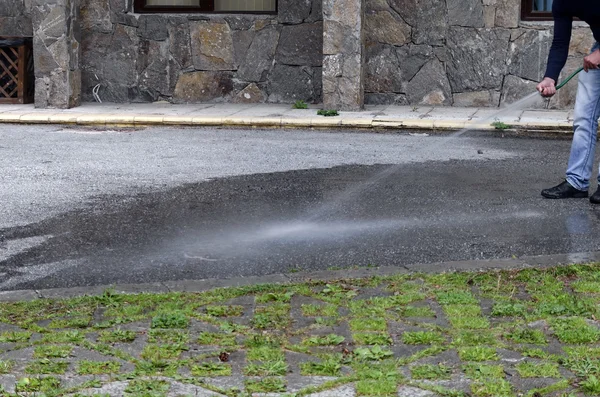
x=343, y=53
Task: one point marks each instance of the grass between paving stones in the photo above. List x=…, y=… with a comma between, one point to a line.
x=475, y=317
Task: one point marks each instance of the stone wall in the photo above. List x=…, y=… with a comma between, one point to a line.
x=202, y=58
x=15, y=18
x=459, y=52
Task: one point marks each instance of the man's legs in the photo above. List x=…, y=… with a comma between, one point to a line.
x=585, y=126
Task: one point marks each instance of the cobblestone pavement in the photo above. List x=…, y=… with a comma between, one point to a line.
x=495, y=333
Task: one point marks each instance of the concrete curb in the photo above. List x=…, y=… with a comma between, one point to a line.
x=141, y=120
x=542, y=261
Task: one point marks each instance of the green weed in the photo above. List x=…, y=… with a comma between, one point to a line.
x=430, y=372
x=477, y=353
x=86, y=367
x=211, y=370
x=533, y=370
x=422, y=338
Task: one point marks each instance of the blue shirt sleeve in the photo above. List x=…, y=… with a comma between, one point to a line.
x=559, y=51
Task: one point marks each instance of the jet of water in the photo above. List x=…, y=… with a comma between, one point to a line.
x=353, y=191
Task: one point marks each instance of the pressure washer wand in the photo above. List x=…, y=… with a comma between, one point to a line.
x=565, y=81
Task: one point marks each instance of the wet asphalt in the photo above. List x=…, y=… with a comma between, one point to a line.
x=87, y=207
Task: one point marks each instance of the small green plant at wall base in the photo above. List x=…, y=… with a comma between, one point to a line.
x=328, y=113
x=300, y=105
x=499, y=125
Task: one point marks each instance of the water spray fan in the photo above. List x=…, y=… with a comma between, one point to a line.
x=565, y=81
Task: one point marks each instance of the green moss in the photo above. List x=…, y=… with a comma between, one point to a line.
x=456, y=298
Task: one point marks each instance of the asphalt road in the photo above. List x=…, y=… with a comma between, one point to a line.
x=83, y=207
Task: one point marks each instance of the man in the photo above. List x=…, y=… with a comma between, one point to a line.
x=587, y=104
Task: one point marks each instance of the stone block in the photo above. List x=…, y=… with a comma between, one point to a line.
x=529, y=54
x=250, y=94
x=203, y=86
x=478, y=58
x=239, y=22
x=153, y=27
x=467, y=13
x=179, y=42
x=385, y=98
x=430, y=86
x=581, y=41
x=316, y=11
x=386, y=28
x=428, y=18
x=413, y=57
x=508, y=13
x=301, y=45
x=288, y=84
x=383, y=72
x=19, y=26
x=516, y=88
x=95, y=15
x=242, y=39
x=489, y=16
x=212, y=45
x=294, y=11
x=477, y=99
x=259, y=57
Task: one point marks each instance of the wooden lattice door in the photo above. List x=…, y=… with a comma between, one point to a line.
x=16, y=67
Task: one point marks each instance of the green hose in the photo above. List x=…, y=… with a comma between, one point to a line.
x=575, y=73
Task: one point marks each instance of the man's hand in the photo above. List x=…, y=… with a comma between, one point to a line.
x=591, y=61
x=547, y=87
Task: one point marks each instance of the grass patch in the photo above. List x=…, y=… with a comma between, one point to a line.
x=282, y=297
x=64, y=337
x=379, y=388
x=422, y=338
x=483, y=371
x=492, y=388
x=575, y=330
x=224, y=311
x=591, y=385
x=6, y=366
x=46, y=366
x=477, y=353
x=528, y=369
x=372, y=338
x=98, y=367
x=374, y=353
x=75, y=322
x=33, y=385
x=157, y=353
x=211, y=370
x=586, y=287
x=327, y=340
x=462, y=310
x=527, y=335
x=416, y=311
x=430, y=372
x=52, y=351
x=312, y=310
x=216, y=339
x=473, y=338
x=508, y=309
x=469, y=322
x=269, y=368
x=456, y=298
x=170, y=320
x=300, y=105
x=266, y=385
x=582, y=351
x=265, y=354
x=168, y=336
x=274, y=316
x=329, y=366
x=15, y=337
x=147, y=388
x=117, y=336
x=328, y=113
x=368, y=324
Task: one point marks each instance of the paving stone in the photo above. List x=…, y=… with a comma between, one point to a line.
x=344, y=391
x=408, y=391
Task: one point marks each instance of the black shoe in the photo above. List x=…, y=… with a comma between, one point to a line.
x=595, y=198
x=563, y=191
